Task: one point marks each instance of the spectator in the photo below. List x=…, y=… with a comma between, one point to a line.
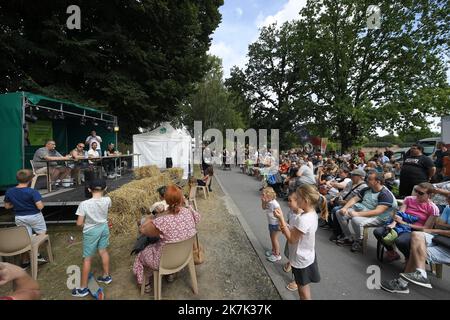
x=423, y=250
x=293, y=210
x=27, y=205
x=93, y=217
x=370, y=208
x=177, y=225
x=351, y=190
x=269, y=204
x=416, y=168
x=419, y=206
x=305, y=175
x=208, y=175
x=94, y=138
x=300, y=235
x=446, y=168
x=57, y=172
x=440, y=194
x=25, y=287
x=388, y=153
x=438, y=157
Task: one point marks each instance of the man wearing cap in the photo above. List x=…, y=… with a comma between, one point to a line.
x=351, y=190
x=371, y=207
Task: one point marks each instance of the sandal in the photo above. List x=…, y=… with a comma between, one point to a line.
x=287, y=267
x=148, y=288
x=292, y=286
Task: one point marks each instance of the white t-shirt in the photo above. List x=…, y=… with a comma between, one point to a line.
x=271, y=206
x=95, y=212
x=93, y=154
x=302, y=253
x=91, y=139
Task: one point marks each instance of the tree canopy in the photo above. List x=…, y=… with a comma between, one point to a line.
x=328, y=72
x=138, y=59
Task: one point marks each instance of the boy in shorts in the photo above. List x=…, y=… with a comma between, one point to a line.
x=27, y=205
x=93, y=216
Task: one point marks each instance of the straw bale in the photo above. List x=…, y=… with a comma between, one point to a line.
x=146, y=172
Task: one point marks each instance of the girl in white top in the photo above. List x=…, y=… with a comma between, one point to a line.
x=300, y=234
x=269, y=205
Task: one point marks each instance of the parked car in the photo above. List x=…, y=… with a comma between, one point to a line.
x=399, y=155
x=429, y=145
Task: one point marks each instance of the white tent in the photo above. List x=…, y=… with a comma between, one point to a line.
x=164, y=142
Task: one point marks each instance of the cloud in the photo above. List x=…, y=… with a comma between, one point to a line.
x=239, y=11
x=290, y=11
x=230, y=56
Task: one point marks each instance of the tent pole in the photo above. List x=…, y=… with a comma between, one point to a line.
x=22, y=128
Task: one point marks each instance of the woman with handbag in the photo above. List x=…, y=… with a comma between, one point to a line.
x=178, y=224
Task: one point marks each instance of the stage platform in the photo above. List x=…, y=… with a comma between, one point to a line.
x=61, y=204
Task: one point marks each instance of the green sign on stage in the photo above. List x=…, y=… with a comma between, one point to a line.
x=40, y=132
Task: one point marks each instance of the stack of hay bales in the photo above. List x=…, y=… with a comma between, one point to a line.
x=134, y=199
x=146, y=172
x=176, y=173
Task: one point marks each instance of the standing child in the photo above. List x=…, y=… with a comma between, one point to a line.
x=93, y=216
x=269, y=204
x=293, y=211
x=300, y=234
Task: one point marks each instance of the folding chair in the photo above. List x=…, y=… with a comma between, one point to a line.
x=37, y=175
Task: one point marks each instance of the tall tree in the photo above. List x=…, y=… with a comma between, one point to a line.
x=211, y=103
x=352, y=80
x=139, y=59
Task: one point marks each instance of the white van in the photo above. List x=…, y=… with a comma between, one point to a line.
x=429, y=145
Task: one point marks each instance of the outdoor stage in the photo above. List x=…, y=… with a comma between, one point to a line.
x=61, y=204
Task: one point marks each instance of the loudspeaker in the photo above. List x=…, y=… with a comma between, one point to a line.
x=169, y=163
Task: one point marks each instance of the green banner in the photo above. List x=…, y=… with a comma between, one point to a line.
x=40, y=132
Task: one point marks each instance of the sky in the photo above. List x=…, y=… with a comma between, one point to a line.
x=240, y=26
x=241, y=21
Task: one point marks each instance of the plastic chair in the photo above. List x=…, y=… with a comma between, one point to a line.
x=205, y=187
x=37, y=175
x=192, y=196
x=16, y=240
x=175, y=256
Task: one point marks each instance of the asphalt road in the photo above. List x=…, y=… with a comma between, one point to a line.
x=344, y=274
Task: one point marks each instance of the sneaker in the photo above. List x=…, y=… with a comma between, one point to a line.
x=391, y=256
x=110, y=176
x=344, y=242
x=268, y=253
x=394, y=286
x=80, y=292
x=274, y=258
x=107, y=279
x=416, y=278
x=356, y=246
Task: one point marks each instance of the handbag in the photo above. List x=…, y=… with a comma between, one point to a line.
x=198, y=252
x=442, y=241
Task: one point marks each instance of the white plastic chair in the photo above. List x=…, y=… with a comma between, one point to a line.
x=37, y=175
x=17, y=240
x=175, y=256
x=192, y=196
x=205, y=187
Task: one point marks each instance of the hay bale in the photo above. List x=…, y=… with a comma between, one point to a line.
x=176, y=173
x=146, y=172
x=134, y=199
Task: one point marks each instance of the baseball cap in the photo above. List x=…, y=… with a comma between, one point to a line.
x=98, y=185
x=358, y=172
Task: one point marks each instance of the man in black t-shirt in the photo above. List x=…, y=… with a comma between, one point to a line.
x=416, y=168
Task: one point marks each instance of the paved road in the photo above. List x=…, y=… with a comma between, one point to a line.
x=343, y=272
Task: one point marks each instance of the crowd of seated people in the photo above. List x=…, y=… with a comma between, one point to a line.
x=408, y=197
